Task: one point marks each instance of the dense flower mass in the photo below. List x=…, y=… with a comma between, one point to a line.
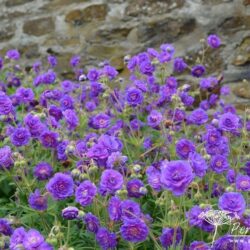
x=153, y=157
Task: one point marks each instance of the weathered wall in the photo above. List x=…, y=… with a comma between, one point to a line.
x=104, y=29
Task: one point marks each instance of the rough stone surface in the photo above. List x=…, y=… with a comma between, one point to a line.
x=39, y=27
x=109, y=29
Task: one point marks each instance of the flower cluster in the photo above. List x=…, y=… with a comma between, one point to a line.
x=121, y=163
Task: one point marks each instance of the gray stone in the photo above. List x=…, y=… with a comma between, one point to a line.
x=242, y=90
x=6, y=33
x=39, y=27
x=10, y=3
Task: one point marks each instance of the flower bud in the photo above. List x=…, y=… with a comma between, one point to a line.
x=137, y=168
x=75, y=172
x=70, y=213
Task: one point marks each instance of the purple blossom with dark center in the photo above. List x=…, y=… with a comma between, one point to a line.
x=133, y=188
x=198, y=117
x=198, y=70
x=43, y=171
x=198, y=164
x=111, y=181
x=5, y=227
x=229, y=122
x=90, y=106
x=49, y=139
x=49, y=77
x=229, y=242
x=114, y=208
x=187, y=99
x=204, y=105
x=111, y=143
x=98, y=151
x=37, y=201
x=56, y=112
x=71, y=119
x=110, y=71
x=154, y=178
x=85, y=193
x=70, y=213
x=33, y=240
x=176, y=176
x=213, y=136
x=25, y=95
x=99, y=121
x=134, y=230
x=92, y=222
x=61, y=186
x=179, y=65
x=34, y=124
x=170, y=237
x=67, y=102
x=154, y=118
x=6, y=106
x=67, y=86
x=146, y=68
x=213, y=41
x=130, y=210
x=116, y=160
x=106, y=239
x=219, y=164
x=184, y=147
x=52, y=61
x=6, y=160
x=93, y=75
x=166, y=47
x=222, y=148
x=20, y=137
x=13, y=54
x=17, y=238
x=243, y=183
x=233, y=202
x=134, y=96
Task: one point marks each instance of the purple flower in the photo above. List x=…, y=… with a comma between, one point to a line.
x=243, y=183
x=232, y=202
x=67, y=102
x=67, y=86
x=179, y=65
x=98, y=151
x=43, y=171
x=110, y=71
x=198, y=164
x=85, y=193
x=49, y=139
x=106, y=239
x=154, y=178
x=33, y=239
x=13, y=54
x=52, y=61
x=49, y=77
x=37, y=201
x=5, y=227
x=99, y=121
x=219, y=164
x=114, y=208
x=25, y=95
x=17, y=238
x=154, y=118
x=231, y=176
x=133, y=188
x=75, y=60
x=71, y=119
x=176, y=176
x=198, y=117
x=92, y=222
x=146, y=68
x=184, y=147
x=213, y=41
x=208, y=83
x=198, y=70
x=111, y=181
x=130, y=210
x=61, y=186
x=70, y=213
x=6, y=106
x=166, y=47
x=134, y=96
x=34, y=124
x=93, y=75
x=134, y=230
x=199, y=245
x=170, y=237
x=187, y=99
x=6, y=160
x=61, y=150
x=115, y=160
x=20, y=137
x=229, y=122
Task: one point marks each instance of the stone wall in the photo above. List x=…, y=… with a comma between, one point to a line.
x=110, y=29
